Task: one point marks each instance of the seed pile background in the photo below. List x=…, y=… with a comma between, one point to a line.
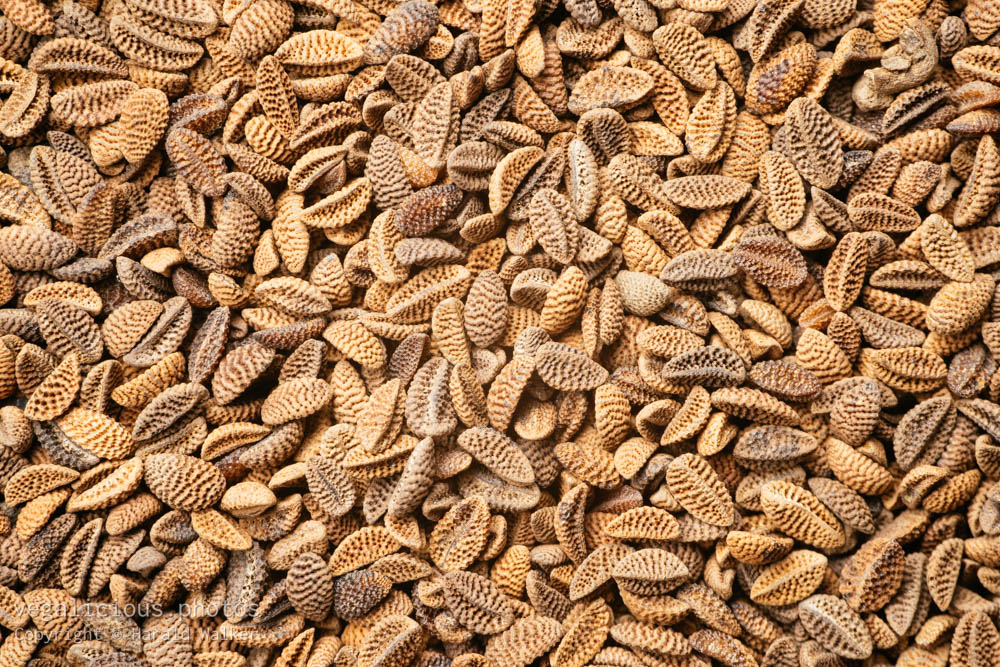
x=494, y=333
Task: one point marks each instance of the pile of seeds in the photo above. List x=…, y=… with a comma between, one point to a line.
x=491, y=333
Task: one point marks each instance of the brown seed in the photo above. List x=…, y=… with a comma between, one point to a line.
x=873, y=575
x=565, y=368
x=800, y=515
x=184, y=482
x=461, y=534
x=609, y=88
x=834, y=625
x=523, y=642
x=686, y=53
x=696, y=487
x=497, y=452
x=815, y=145
x=477, y=602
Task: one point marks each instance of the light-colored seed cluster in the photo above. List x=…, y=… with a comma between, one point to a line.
x=492, y=333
